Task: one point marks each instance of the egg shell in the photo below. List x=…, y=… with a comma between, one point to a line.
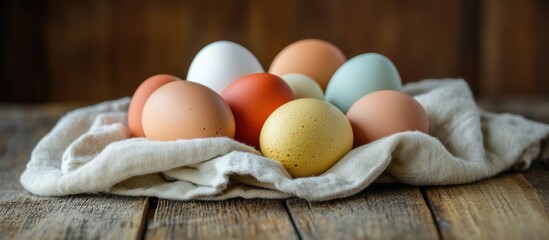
x=315, y=58
x=142, y=93
x=220, y=63
x=303, y=86
x=186, y=110
x=384, y=113
x=361, y=75
x=252, y=99
x=308, y=136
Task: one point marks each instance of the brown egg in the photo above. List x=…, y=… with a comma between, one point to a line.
x=139, y=98
x=382, y=113
x=186, y=110
x=317, y=59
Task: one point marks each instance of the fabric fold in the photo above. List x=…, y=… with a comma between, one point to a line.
x=89, y=151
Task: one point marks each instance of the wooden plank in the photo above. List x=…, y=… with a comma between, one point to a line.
x=23, y=54
x=503, y=207
x=76, y=217
x=387, y=211
x=514, y=48
x=26, y=216
x=228, y=219
x=538, y=176
x=112, y=46
x=534, y=108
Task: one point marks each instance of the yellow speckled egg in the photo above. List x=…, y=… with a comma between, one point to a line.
x=308, y=136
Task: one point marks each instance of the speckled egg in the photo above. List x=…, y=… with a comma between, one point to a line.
x=186, y=110
x=308, y=136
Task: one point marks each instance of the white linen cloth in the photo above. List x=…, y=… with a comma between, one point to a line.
x=89, y=151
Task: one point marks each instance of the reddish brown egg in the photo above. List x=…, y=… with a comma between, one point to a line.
x=142, y=93
x=382, y=113
x=252, y=99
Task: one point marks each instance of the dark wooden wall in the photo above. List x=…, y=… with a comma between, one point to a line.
x=72, y=50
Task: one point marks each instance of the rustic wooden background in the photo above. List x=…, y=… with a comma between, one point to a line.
x=65, y=50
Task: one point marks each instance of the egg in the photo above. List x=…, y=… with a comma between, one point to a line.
x=252, y=99
x=361, y=75
x=186, y=110
x=383, y=113
x=315, y=58
x=139, y=98
x=308, y=136
x=220, y=63
x=303, y=86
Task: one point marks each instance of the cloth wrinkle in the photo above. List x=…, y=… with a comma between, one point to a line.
x=90, y=151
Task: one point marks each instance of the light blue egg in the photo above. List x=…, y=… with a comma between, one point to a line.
x=361, y=75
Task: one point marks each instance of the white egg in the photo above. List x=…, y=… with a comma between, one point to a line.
x=303, y=86
x=220, y=63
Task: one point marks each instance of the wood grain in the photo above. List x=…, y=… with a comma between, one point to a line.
x=533, y=108
x=99, y=50
x=508, y=206
x=514, y=49
x=503, y=207
x=538, y=176
x=26, y=216
x=24, y=68
x=93, y=51
x=381, y=212
x=228, y=219
x=88, y=217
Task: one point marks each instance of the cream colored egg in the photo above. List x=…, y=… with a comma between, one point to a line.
x=308, y=136
x=303, y=86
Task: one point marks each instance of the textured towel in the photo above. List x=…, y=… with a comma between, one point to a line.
x=89, y=151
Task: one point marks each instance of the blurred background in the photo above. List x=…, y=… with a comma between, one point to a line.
x=90, y=51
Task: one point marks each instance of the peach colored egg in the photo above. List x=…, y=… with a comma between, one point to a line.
x=139, y=98
x=252, y=99
x=383, y=113
x=186, y=110
x=315, y=58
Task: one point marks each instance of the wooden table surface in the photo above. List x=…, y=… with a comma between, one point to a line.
x=512, y=205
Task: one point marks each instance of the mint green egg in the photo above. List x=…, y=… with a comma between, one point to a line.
x=359, y=76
